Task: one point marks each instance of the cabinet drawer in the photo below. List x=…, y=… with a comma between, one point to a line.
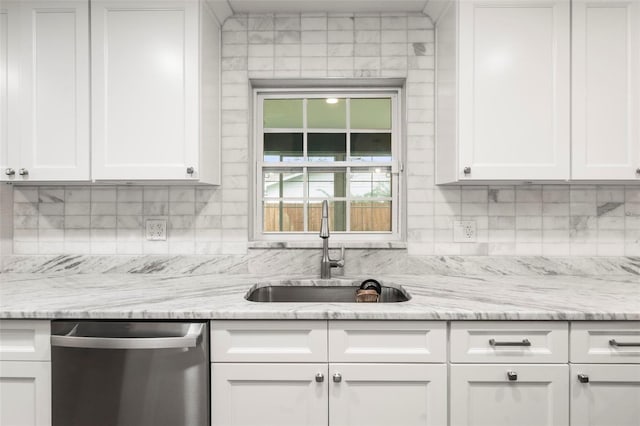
x=509, y=341
x=268, y=341
x=387, y=341
x=25, y=340
x=605, y=342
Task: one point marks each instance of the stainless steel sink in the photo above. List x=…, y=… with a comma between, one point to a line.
x=319, y=291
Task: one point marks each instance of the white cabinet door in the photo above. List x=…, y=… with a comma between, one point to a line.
x=44, y=82
x=269, y=395
x=145, y=89
x=388, y=394
x=54, y=91
x=483, y=395
x=606, y=89
x=605, y=395
x=25, y=393
x=514, y=89
x=7, y=10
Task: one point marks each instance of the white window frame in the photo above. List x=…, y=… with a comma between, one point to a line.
x=397, y=181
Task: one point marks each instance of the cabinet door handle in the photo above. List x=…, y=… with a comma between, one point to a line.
x=512, y=376
x=190, y=170
x=337, y=378
x=613, y=342
x=467, y=170
x=23, y=172
x=638, y=171
x=319, y=377
x=583, y=378
x=523, y=342
x=9, y=172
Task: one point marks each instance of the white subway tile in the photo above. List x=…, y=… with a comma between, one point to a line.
x=313, y=22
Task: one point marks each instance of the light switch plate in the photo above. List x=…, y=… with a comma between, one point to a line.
x=464, y=231
x=156, y=229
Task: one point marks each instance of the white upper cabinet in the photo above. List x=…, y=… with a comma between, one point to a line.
x=45, y=90
x=4, y=88
x=503, y=79
x=606, y=89
x=150, y=60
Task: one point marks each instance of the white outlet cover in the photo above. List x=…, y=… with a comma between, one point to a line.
x=156, y=229
x=464, y=231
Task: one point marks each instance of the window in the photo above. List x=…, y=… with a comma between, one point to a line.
x=340, y=146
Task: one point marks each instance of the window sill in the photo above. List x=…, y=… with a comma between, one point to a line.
x=386, y=245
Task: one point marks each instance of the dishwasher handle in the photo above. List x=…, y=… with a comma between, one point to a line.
x=189, y=340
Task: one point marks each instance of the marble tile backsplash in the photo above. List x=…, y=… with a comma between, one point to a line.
x=528, y=220
x=550, y=220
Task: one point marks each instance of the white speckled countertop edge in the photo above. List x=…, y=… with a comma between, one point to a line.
x=221, y=296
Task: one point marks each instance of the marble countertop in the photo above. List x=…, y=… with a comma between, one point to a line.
x=221, y=296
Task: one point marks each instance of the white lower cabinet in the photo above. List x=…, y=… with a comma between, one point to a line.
x=509, y=373
x=25, y=373
x=335, y=394
x=508, y=395
x=351, y=373
x=329, y=376
x=269, y=394
x=387, y=394
x=605, y=373
x=25, y=393
x=605, y=395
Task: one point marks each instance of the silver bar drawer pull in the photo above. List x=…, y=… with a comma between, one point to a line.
x=189, y=340
x=523, y=342
x=613, y=342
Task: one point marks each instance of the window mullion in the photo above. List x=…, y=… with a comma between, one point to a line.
x=348, y=200
x=305, y=171
x=305, y=198
x=348, y=169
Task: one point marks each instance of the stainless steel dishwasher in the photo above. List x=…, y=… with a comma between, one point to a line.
x=117, y=373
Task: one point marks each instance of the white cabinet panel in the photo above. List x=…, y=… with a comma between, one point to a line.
x=25, y=393
x=145, y=84
x=45, y=104
x=269, y=395
x=509, y=341
x=483, y=395
x=606, y=89
x=55, y=90
x=4, y=88
x=387, y=341
x=388, y=394
x=268, y=341
x=514, y=82
x=605, y=395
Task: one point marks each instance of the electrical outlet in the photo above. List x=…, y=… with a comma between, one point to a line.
x=464, y=231
x=156, y=229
